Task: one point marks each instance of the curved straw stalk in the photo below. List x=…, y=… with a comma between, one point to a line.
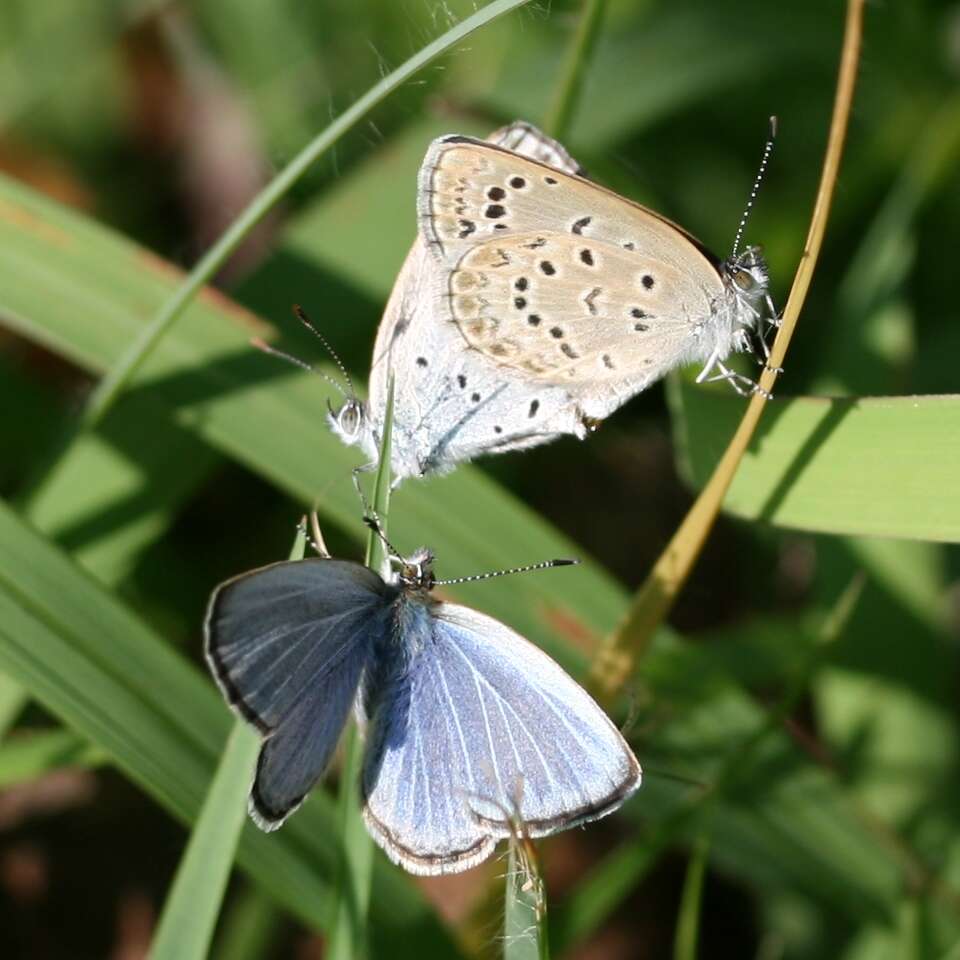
x=616, y=658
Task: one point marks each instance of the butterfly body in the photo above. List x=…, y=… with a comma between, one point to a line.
x=468, y=725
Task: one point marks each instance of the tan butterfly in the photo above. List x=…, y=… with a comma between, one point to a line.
x=536, y=302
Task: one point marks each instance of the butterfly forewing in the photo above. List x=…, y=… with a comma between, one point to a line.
x=410, y=299
x=471, y=191
x=287, y=644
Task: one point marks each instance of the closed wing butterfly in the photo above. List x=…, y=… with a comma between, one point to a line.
x=535, y=302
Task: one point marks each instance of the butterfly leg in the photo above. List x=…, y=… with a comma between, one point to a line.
x=355, y=475
x=313, y=535
x=743, y=385
x=764, y=361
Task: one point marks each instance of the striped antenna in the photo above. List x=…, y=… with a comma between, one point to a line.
x=265, y=347
x=372, y=522
x=301, y=315
x=543, y=565
x=767, y=150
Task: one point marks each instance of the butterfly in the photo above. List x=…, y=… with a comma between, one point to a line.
x=535, y=302
x=469, y=726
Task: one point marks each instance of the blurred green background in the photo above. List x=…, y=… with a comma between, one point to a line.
x=811, y=750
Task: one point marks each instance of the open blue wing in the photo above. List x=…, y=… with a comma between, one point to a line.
x=287, y=644
x=476, y=728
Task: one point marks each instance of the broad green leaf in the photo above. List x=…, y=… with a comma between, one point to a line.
x=117, y=495
x=876, y=466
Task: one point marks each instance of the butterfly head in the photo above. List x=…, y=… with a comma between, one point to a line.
x=416, y=572
x=349, y=422
x=748, y=281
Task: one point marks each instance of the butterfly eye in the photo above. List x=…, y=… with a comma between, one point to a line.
x=744, y=280
x=349, y=418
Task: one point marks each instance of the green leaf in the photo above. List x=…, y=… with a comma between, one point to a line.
x=12, y=699
x=28, y=755
x=688, y=918
x=837, y=466
x=193, y=903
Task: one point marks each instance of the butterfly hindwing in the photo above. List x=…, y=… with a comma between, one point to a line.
x=479, y=729
x=564, y=310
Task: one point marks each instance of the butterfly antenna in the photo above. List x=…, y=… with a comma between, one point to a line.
x=767, y=150
x=374, y=525
x=265, y=347
x=301, y=315
x=543, y=565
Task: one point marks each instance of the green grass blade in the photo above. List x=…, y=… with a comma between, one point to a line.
x=30, y=754
x=117, y=378
x=193, y=904
x=190, y=912
x=567, y=91
x=348, y=940
x=525, y=905
x=688, y=919
x=12, y=700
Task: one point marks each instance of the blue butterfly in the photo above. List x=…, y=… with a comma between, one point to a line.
x=469, y=726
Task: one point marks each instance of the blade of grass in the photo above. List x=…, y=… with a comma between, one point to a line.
x=192, y=906
x=348, y=940
x=688, y=919
x=29, y=755
x=556, y=120
x=117, y=378
x=828, y=464
x=524, y=903
x=650, y=605
x=12, y=700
